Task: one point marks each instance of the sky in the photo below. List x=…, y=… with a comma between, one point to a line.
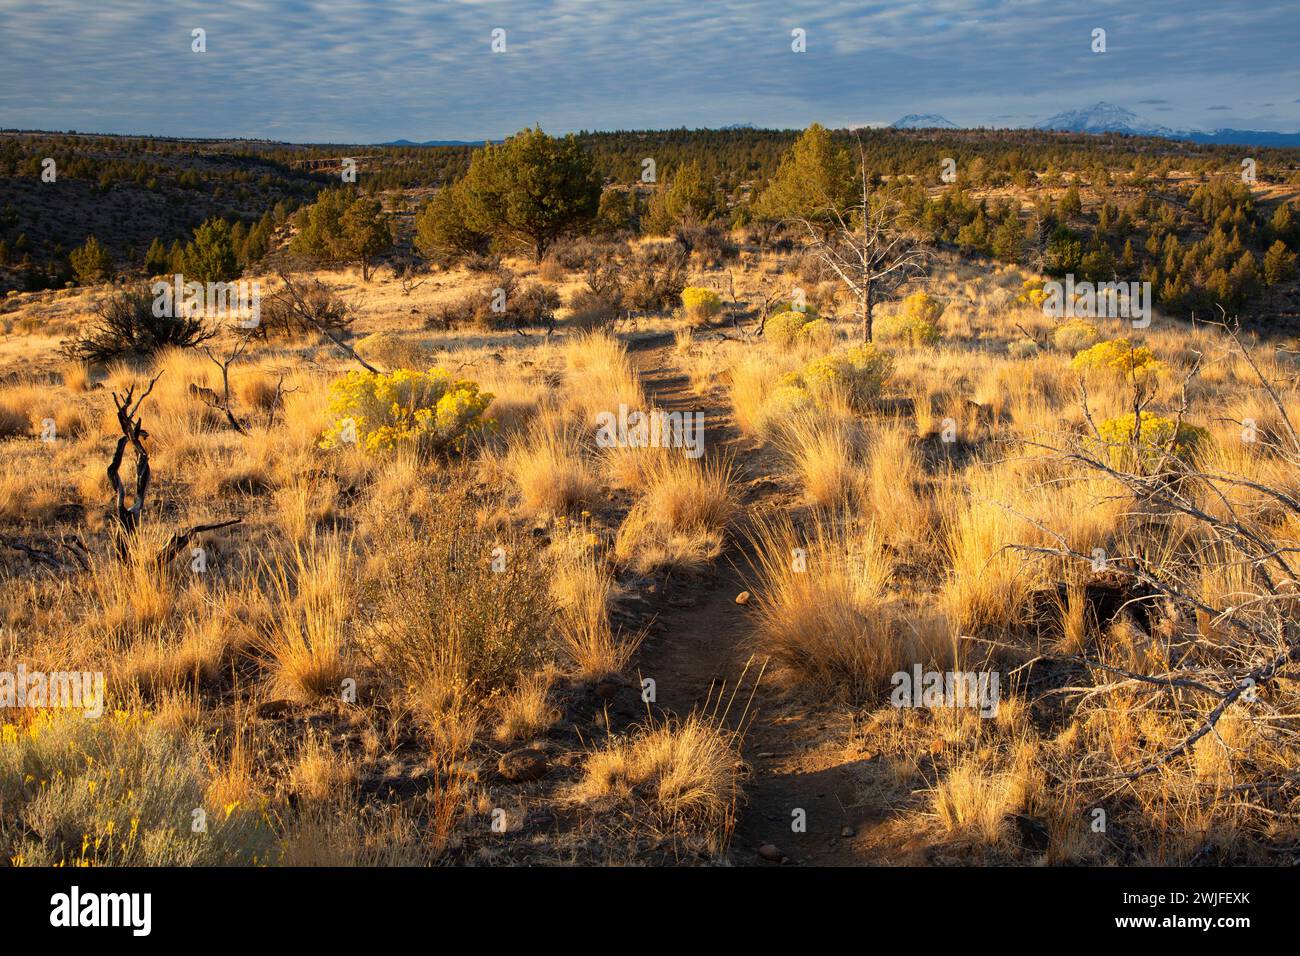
x=360, y=71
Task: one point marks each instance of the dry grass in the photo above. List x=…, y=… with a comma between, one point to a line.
x=549, y=468
x=824, y=450
x=909, y=543
x=583, y=587
x=688, y=772
x=321, y=774
x=821, y=612
x=599, y=376
x=681, y=520
x=305, y=630
x=526, y=712
x=974, y=803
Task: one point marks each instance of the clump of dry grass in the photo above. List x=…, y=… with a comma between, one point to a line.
x=599, y=376
x=682, y=518
x=550, y=470
x=631, y=467
x=890, y=488
x=321, y=773
x=160, y=665
x=688, y=772
x=526, y=711
x=821, y=614
x=76, y=376
x=749, y=384
x=824, y=449
x=582, y=586
x=459, y=610
x=134, y=595
x=976, y=797
x=305, y=631
x=258, y=391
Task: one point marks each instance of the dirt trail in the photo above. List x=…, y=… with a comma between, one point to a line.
x=700, y=649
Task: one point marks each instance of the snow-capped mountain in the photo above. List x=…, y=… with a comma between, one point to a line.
x=1109, y=118
x=1105, y=118
x=923, y=121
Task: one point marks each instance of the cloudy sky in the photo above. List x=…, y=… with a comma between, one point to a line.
x=376, y=70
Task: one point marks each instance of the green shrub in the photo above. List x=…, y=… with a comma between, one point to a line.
x=91, y=262
x=211, y=256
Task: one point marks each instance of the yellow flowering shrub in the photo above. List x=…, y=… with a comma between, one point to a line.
x=818, y=332
x=784, y=327
x=1032, y=293
x=788, y=398
x=1075, y=335
x=1118, y=356
x=1154, y=434
x=857, y=376
x=118, y=791
x=379, y=413
x=700, y=304
x=915, y=322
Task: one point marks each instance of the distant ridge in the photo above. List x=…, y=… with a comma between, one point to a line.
x=1103, y=118
x=923, y=121
x=1108, y=118
x=440, y=142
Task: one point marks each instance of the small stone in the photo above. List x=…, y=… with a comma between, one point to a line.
x=520, y=766
x=274, y=708
x=771, y=853
x=742, y=597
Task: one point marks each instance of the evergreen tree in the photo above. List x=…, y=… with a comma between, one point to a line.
x=211, y=256
x=531, y=189
x=814, y=180
x=91, y=262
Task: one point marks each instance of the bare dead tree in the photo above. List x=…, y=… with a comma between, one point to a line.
x=66, y=554
x=222, y=403
x=870, y=248
x=305, y=313
x=129, y=516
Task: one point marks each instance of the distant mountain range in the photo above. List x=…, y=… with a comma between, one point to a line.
x=1104, y=118
x=923, y=121
x=1101, y=117
x=1109, y=118
x=440, y=142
